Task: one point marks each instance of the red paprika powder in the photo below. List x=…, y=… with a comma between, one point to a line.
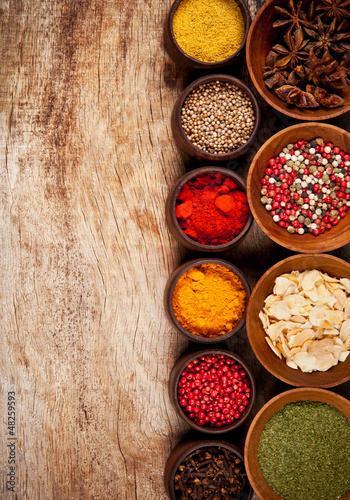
x=211, y=209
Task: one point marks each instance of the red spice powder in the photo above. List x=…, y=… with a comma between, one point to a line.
x=211, y=209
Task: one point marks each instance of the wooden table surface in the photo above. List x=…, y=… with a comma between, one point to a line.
x=87, y=159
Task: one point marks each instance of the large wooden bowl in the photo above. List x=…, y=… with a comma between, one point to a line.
x=339, y=235
x=261, y=37
x=256, y=335
x=181, y=139
x=174, y=226
x=188, y=62
x=260, y=486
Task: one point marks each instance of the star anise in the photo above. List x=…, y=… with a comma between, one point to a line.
x=326, y=72
x=334, y=8
x=297, y=75
x=274, y=74
x=294, y=50
x=296, y=97
x=324, y=38
x=324, y=98
x=294, y=18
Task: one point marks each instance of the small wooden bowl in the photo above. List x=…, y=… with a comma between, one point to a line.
x=188, y=446
x=174, y=226
x=188, y=62
x=256, y=335
x=261, y=37
x=261, y=488
x=168, y=299
x=339, y=235
x=186, y=146
x=175, y=375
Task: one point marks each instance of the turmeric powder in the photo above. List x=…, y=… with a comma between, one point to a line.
x=209, y=300
x=209, y=30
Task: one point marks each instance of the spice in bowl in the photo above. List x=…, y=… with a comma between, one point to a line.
x=221, y=394
x=308, y=67
x=218, y=117
x=209, y=30
x=307, y=320
x=211, y=209
x=210, y=472
x=304, y=451
x=209, y=300
x=306, y=187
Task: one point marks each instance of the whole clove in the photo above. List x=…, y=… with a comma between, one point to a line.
x=210, y=473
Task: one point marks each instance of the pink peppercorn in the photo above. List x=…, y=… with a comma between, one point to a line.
x=223, y=394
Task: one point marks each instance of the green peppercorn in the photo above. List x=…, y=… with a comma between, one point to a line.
x=290, y=229
x=264, y=200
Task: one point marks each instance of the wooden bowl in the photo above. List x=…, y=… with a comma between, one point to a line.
x=339, y=235
x=188, y=446
x=261, y=37
x=256, y=335
x=168, y=299
x=186, y=146
x=188, y=62
x=257, y=480
x=175, y=375
x=174, y=226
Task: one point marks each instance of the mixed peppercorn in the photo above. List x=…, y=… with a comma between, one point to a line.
x=306, y=188
x=214, y=390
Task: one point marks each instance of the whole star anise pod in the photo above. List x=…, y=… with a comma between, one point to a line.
x=334, y=8
x=326, y=72
x=297, y=97
x=274, y=75
x=294, y=50
x=325, y=38
x=324, y=98
x=294, y=17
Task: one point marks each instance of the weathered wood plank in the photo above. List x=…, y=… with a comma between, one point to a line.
x=86, y=162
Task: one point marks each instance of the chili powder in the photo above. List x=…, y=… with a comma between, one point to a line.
x=211, y=209
x=304, y=451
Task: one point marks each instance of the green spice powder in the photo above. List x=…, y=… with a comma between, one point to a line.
x=304, y=452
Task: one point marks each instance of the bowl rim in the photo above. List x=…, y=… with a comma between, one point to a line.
x=189, y=445
x=329, y=113
x=190, y=176
x=253, y=435
x=214, y=64
x=168, y=296
x=178, y=368
x=295, y=243
x=251, y=333
x=225, y=78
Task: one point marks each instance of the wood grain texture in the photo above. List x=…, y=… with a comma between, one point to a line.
x=86, y=162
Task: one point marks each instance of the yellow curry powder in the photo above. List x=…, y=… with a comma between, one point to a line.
x=209, y=300
x=209, y=30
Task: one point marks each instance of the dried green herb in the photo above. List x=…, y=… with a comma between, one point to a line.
x=304, y=452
